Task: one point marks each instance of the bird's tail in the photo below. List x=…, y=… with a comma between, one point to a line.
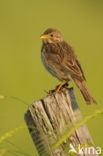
x=85, y=92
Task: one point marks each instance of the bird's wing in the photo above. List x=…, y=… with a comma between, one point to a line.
x=71, y=62
x=79, y=65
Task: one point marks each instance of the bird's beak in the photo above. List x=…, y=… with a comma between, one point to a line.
x=43, y=37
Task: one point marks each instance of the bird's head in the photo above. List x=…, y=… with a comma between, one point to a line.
x=51, y=36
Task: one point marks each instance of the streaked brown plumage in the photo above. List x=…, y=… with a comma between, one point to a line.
x=60, y=60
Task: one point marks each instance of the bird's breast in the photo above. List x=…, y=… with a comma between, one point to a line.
x=47, y=61
x=52, y=59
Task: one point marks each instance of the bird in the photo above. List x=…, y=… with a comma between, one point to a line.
x=61, y=61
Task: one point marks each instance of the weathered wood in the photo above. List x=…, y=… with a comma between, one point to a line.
x=50, y=117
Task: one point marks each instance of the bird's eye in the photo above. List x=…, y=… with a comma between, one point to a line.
x=51, y=35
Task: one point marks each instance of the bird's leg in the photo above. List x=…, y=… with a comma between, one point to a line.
x=64, y=83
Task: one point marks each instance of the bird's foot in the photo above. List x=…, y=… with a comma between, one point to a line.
x=59, y=87
x=49, y=92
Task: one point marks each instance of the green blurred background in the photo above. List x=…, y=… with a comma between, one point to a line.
x=21, y=72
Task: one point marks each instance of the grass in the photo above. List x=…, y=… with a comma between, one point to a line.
x=69, y=132
x=61, y=139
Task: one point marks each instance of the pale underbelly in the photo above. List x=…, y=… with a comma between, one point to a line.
x=56, y=70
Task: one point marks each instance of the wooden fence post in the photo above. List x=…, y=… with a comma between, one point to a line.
x=50, y=117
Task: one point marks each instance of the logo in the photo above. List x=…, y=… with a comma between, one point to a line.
x=80, y=149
